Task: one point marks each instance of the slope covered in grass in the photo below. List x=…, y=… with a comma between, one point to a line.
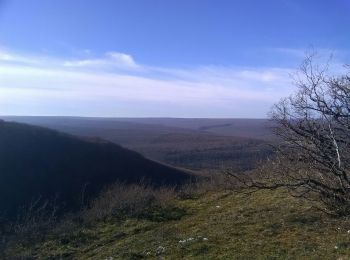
x=216, y=225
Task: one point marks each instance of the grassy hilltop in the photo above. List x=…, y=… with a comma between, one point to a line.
x=214, y=225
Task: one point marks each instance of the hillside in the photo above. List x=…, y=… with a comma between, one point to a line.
x=196, y=144
x=216, y=225
x=40, y=163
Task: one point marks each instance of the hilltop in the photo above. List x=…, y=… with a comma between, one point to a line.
x=214, y=225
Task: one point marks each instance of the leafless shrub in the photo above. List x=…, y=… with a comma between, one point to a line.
x=37, y=215
x=127, y=200
x=32, y=223
x=313, y=125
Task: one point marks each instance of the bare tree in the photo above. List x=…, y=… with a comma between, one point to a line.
x=313, y=127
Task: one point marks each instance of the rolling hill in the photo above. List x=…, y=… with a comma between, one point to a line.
x=40, y=163
x=237, y=127
x=195, y=144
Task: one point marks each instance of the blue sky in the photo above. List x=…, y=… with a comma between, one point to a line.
x=173, y=58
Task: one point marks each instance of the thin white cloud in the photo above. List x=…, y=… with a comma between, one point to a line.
x=122, y=58
x=6, y=57
x=110, y=59
x=10, y=57
x=116, y=85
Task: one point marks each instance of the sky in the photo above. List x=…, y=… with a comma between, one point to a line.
x=161, y=58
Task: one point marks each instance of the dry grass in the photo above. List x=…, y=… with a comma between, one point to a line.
x=216, y=225
x=118, y=202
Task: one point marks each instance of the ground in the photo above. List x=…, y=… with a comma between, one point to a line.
x=215, y=225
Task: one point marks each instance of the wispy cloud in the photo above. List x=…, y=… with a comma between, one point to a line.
x=110, y=59
x=116, y=85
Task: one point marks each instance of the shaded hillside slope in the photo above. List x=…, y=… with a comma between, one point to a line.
x=39, y=163
x=188, y=146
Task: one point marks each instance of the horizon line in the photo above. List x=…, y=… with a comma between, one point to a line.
x=136, y=117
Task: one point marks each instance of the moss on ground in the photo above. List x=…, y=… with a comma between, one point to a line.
x=217, y=225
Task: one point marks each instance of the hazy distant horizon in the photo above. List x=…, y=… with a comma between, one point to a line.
x=135, y=117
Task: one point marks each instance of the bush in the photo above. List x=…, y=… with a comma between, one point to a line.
x=120, y=200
